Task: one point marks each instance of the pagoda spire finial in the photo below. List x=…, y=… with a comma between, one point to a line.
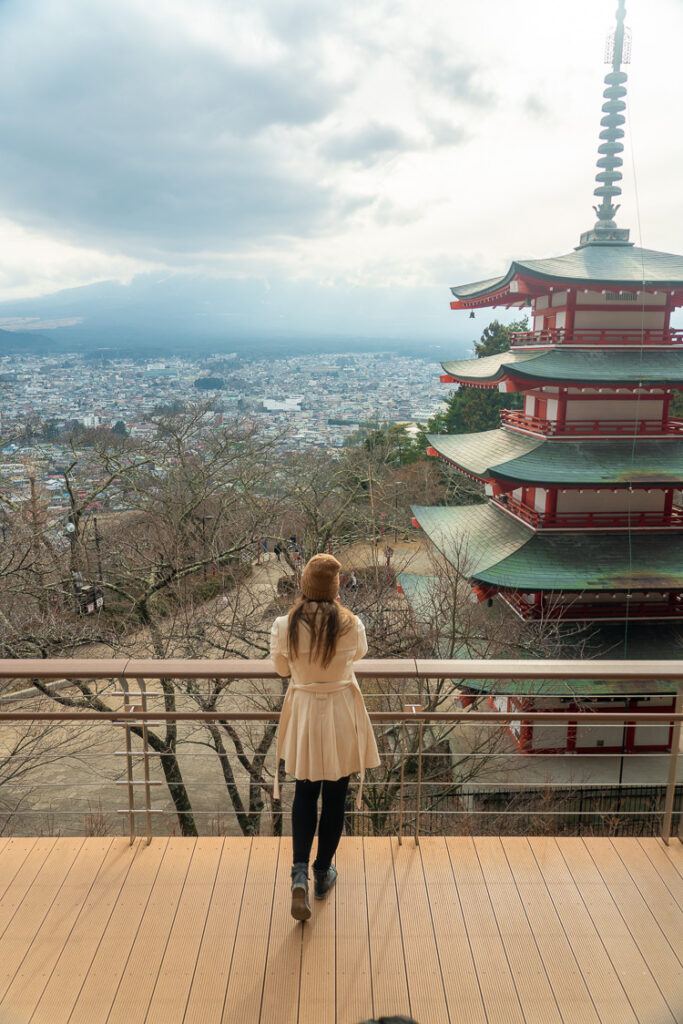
x=617, y=52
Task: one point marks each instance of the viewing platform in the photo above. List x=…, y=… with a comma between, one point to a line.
x=433, y=918
x=482, y=930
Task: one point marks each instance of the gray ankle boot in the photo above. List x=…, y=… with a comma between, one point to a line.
x=301, y=908
x=324, y=880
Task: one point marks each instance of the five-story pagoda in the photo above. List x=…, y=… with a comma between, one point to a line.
x=584, y=519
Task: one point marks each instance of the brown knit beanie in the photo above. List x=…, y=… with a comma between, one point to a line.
x=320, y=578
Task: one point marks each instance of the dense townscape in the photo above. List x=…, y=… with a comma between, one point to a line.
x=304, y=401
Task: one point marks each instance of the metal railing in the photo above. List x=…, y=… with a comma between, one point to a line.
x=130, y=681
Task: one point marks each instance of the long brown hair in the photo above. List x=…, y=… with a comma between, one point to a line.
x=327, y=622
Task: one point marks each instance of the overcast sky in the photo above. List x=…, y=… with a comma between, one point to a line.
x=407, y=144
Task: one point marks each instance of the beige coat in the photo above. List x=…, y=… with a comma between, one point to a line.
x=324, y=730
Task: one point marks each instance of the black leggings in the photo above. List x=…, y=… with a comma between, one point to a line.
x=305, y=818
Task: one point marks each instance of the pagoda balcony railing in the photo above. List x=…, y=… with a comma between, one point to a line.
x=608, y=336
x=615, y=607
x=407, y=699
x=592, y=520
x=519, y=420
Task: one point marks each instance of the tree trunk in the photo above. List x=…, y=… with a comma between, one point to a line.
x=178, y=791
x=244, y=819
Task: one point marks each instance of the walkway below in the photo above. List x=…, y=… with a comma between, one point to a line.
x=455, y=931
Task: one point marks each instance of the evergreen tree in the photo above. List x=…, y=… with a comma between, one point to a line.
x=50, y=431
x=394, y=444
x=390, y=442
x=474, y=409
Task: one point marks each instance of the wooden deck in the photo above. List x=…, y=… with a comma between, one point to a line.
x=473, y=931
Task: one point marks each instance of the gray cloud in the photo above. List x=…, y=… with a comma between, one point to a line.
x=445, y=133
x=535, y=107
x=294, y=20
x=372, y=142
x=117, y=131
x=188, y=133
x=367, y=143
x=456, y=79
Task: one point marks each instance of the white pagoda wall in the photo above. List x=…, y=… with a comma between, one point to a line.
x=628, y=315
x=530, y=406
x=601, y=298
x=631, y=320
x=615, y=409
x=649, y=735
x=610, y=501
x=539, y=738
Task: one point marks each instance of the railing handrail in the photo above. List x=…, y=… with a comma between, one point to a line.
x=594, y=718
x=518, y=418
x=137, y=717
x=626, y=517
x=608, y=335
x=618, y=670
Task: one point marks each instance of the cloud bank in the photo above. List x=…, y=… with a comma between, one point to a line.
x=388, y=144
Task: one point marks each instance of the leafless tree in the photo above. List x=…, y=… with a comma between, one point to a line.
x=175, y=551
x=28, y=753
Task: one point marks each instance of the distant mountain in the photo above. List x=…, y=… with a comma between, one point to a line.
x=26, y=341
x=193, y=313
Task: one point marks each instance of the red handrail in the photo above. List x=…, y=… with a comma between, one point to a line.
x=588, y=520
x=517, y=419
x=606, y=336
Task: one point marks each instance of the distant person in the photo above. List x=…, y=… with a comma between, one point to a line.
x=353, y=581
x=388, y=555
x=277, y=550
x=325, y=733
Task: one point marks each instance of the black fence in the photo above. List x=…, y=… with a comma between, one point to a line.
x=535, y=810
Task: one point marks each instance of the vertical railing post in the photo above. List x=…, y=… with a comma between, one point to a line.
x=145, y=761
x=673, y=771
x=402, y=747
x=410, y=709
x=418, y=795
x=129, y=761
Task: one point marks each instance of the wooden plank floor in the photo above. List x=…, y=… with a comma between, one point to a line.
x=455, y=931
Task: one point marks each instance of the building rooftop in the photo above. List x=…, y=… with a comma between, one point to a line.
x=615, y=367
x=590, y=265
x=503, y=455
x=492, y=547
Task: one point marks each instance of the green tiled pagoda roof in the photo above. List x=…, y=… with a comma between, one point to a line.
x=590, y=264
x=585, y=366
x=504, y=455
x=492, y=547
x=481, y=452
x=472, y=537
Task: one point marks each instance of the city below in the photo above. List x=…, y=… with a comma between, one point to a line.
x=303, y=401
